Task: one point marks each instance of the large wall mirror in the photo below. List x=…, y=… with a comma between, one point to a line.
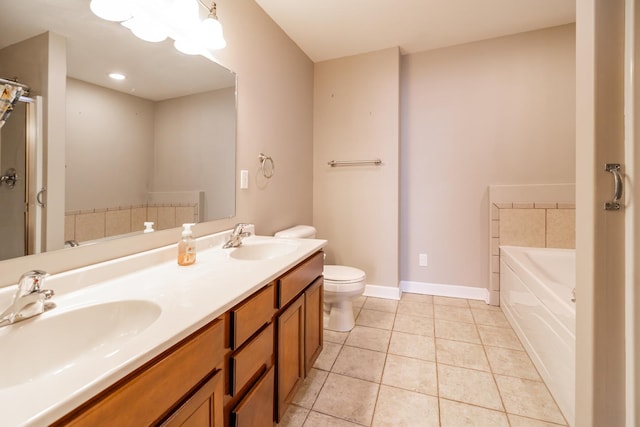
x=158, y=146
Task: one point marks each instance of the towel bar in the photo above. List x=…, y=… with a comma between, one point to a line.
x=334, y=163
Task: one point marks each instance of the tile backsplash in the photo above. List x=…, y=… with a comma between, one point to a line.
x=83, y=226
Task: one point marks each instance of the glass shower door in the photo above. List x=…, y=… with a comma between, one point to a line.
x=21, y=175
x=13, y=185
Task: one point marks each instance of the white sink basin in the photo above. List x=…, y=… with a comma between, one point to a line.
x=258, y=251
x=51, y=343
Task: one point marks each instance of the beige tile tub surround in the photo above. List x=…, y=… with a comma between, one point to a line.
x=94, y=224
x=534, y=215
x=532, y=224
x=421, y=376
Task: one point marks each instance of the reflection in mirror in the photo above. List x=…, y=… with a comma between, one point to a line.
x=157, y=146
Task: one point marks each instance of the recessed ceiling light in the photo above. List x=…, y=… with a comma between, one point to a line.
x=117, y=76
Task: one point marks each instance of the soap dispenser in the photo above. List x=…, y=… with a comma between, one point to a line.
x=186, y=246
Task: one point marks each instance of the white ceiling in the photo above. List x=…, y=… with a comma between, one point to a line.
x=328, y=29
x=95, y=47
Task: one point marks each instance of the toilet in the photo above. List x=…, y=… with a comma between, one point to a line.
x=342, y=285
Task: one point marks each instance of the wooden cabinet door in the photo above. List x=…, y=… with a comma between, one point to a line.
x=290, y=356
x=313, y=326
x=256, y=408
x=203, y=408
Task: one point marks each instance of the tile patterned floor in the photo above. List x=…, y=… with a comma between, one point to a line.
x=424, y=361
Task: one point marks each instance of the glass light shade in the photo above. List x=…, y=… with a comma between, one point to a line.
x=111, y=10
x=185, y=13
x=211, y=34
x=188, y=47
x=145, y=29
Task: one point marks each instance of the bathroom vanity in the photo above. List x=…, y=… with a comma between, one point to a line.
x=225, y=342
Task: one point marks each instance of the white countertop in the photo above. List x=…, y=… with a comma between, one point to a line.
x=189, y=297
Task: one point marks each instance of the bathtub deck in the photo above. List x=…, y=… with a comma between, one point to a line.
x=424, y=361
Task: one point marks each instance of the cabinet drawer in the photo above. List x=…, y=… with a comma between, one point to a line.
x=256, y=409
x=294, y=282
x=250, y=359
x=252, y=314
x=146, y=395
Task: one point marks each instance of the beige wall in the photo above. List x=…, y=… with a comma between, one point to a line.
x=500, y=111
x=106, y=165
x=275, y=117
x=356, y=117
x=195, y=149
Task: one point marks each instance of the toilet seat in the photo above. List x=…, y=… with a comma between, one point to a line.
x=340, y=278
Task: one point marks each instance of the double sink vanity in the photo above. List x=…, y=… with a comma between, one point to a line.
x=142, y=341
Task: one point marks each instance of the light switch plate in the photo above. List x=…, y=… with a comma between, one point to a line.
x=244, y=179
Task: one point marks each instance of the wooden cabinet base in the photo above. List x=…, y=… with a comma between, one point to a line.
x=151, y=393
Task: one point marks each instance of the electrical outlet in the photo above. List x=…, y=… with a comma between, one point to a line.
x=422, y=260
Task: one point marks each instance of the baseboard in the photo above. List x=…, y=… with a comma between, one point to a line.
x=454, y=291
x=378, y=291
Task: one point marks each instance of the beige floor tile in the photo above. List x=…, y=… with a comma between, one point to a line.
x=452, y=313
x=499, y=337
x=410, y=374
x=369, y=338
x=310, y=388
x=409, y=345
x=400, y=408
x=359, y=301
x=316, y=419
x=356, y=312
x=457, y=331
x=490, y=318
x=413, y=325
x=528, y=398
x=513, y=363
x=327, y=356
x=456, y=414
x=406, y=296
x=348, y=398
x=458, y=302
x=415, y=308
x=335, y=336
x=375, y=319
x=462, y=354
x=381, y=304
x=468, y=386
x=518, y=421
x=478, y=304
x=360, y=363
x=294, y=417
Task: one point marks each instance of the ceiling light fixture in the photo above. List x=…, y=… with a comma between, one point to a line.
x=157, y=20
x=117, y=76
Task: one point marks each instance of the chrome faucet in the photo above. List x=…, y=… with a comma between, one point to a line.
x=237, y=234
x=29, y=299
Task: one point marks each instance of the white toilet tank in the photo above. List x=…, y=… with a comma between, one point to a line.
x=297, y=232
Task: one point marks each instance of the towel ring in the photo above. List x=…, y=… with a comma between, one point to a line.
x=266, y=166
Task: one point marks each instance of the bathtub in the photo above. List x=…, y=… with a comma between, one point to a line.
x=536, y=291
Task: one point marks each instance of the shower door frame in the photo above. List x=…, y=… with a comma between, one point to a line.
x=34, y=211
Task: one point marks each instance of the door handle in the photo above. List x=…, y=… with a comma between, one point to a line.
x=39, y=197
x=618, y=186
